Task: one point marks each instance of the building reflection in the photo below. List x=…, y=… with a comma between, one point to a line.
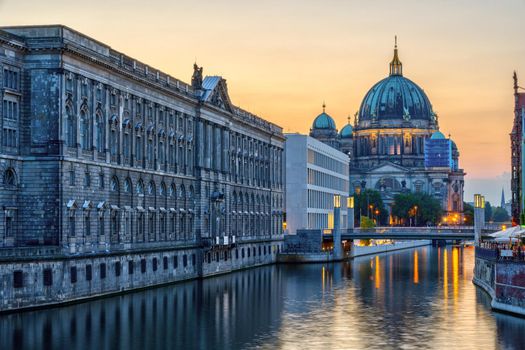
x=382, y=301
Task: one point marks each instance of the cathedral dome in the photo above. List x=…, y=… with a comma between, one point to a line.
x=396, y=98
x=324, y=121
x=346, y=131
x=438, y=135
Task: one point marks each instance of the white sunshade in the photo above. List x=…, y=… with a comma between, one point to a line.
x=515, y=231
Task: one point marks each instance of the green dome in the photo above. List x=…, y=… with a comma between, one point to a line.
x=323, y=121
x=346, y=131
x=438, y=135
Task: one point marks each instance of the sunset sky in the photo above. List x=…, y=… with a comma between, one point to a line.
x=283, y=58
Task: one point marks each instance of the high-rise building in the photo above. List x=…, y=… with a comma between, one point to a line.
x=516, y=140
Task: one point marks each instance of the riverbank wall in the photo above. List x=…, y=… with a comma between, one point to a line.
x=384, y=248
x=503, y=280
x=43, y=277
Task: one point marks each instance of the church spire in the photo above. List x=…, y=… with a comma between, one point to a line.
x=396, y=67
x=324, y=106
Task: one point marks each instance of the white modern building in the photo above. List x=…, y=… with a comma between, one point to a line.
x=315, y=172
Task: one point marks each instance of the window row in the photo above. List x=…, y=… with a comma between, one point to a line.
x=317, y=178
x=117, y=269
x=10, y=110
x=11, y=79
x=226, y=255
x=9, y=137
x=327, y=162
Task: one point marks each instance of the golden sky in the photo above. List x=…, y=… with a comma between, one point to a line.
x=283, y=58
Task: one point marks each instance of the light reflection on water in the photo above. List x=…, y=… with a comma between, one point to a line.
x=420, y=298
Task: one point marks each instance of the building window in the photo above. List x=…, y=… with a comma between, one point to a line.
x=9, y=178
x=73, y=274
x=102, y=271
x=10, y=137
x=175, y=261
x=101, y=133
x=89, y=272
x=165, y=262
x=85, y=131
x=154, y=264
x=184, y=260
x=101, y=181
x=87, y=224
x=48, y=277
x=193, y=259
x=72, y=228
x=130, y=267
x=18, y=279
x=71, y=178
x=71, y=128
x=87, y=180
x=143, y=265
x=118, y=268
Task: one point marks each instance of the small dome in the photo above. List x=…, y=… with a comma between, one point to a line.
x=323, y=121
x=454, y=146
x=346, y=131
x=438, y=135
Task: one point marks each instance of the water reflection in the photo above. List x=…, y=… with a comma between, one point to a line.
x=416, y=298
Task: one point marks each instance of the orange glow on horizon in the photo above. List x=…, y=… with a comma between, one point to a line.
x=281, y=67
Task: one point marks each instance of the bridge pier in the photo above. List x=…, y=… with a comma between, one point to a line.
x=479, y=217
x=439, y=243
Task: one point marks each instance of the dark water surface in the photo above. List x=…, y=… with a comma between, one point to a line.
x=413, y=299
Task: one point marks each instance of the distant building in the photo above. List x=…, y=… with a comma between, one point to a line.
x=516, y=138
x=395, y=144
x=315, y=172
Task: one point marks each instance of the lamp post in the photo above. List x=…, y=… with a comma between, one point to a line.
x=415, y=215
x=350, y=212
x=338, y=251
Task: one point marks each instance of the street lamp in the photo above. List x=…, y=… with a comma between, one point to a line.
x=350, y=202
x=415, y=215
x=337, y=201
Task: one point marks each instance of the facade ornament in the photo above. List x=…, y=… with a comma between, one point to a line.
x=196, y=79
x=406, y=114
x=356, y=118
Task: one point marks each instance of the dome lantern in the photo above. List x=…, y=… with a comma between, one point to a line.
x=396, y=67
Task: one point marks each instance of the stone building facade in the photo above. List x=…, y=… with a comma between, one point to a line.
x=101, y=154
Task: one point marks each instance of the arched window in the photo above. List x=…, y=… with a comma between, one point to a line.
x=71, y=127
x=84, y=130
x=173, y=191
x=101, y=132
x=9, y=178
x=151, y=188
x=162, y=190
x=127, y=186
x=114, y=184
x=140, y=187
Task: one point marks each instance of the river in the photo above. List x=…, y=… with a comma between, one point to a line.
x=413, y=299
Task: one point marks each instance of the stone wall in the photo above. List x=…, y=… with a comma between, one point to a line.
x=28, y=282
x=503, y=280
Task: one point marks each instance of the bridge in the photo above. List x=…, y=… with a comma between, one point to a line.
x=411, y=233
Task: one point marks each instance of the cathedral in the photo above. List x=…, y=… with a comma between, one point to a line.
x=395, y=144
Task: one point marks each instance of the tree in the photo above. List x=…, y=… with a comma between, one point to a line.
x=366, y=223
x=468, y=213
x=500, y=215
x=488, y=212
x=369, y=203
x=417, y=208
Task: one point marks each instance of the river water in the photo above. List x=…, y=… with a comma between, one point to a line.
x=413, y=299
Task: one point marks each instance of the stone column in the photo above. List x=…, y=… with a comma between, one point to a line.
x=350, y=212
x=479, y=217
